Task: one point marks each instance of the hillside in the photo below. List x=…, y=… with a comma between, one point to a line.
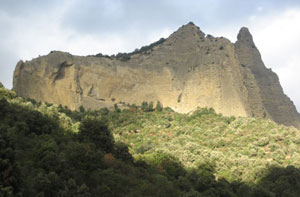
x=187, y=70
x=50, y=150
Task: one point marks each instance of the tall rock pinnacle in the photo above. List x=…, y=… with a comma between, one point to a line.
x=244, y=35
x=277, y=105
x=187, y=70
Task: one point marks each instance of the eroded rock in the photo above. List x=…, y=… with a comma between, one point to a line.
x=185, y=71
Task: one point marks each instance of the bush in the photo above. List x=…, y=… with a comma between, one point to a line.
x=263, y=141
x=162, y=161
x=121, y=151
x=150, y=107
x=158, y=106
x=96, y=131
x=117, y=109
x=147, y=107
x=144, y=106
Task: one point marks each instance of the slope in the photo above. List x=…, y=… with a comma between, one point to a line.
x=49, y=150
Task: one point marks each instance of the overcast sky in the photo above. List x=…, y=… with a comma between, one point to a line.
x=29, y=28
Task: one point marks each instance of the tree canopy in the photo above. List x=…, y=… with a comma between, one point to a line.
x=49, y=150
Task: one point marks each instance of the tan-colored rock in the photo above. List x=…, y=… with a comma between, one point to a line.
x=186, y=71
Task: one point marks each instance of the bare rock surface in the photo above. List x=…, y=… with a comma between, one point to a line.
x=187, y=70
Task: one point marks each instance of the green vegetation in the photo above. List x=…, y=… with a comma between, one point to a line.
x=158, y=106
x=49, y=150
x=126, y=56
x=147, y=107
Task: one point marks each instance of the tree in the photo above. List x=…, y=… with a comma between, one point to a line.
x=117, y=109
x=9, y=171
x=133, y=108
x=144, y=106
x=158, y=106
x=104, y=111
x=121, y=152
x=82, y=109
x=96, y=131
x=150, y=107
x=147, y=107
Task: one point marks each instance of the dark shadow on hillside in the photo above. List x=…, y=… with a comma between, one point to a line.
x=280, y=182
x=201, y=181
x=39, y=159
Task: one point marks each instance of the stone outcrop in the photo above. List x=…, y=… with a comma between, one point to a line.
x=187, y=70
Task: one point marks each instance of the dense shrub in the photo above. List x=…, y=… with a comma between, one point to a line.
x=158, y=107
x=49, y=150
x=96, y=131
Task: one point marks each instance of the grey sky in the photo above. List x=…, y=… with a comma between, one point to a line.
x=29, y=28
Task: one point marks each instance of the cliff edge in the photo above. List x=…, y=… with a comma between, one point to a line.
x=187, y=70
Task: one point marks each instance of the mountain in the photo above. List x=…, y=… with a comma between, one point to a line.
x=187, y=70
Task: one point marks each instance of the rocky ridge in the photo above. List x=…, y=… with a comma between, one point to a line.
x=187, y=70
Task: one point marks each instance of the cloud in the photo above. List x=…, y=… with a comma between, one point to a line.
x=30, y=28
x=278, y=38
x=26, y=27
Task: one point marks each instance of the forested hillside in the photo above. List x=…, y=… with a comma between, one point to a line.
x=49, y=150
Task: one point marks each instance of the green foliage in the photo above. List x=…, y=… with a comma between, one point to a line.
x=127, y=56
x=49, y=150
x=104, y=112
x=144, y=49
x=4, y=93
x=263, y=141
x=144, y=106
x=117, y=109
x=81, y=109
x=165, y=163
x=158, y=107
x=123, y=56
x=282, y=181
x=147, y=107
x=121, y=152
x=96, y=131
x=9, y=172
x=150, y=107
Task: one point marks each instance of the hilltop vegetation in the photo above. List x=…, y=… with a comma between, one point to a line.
x=49, y=150
x=126, y=56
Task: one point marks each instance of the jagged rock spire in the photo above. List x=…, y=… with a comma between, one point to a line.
x=186, y=71
x=244, y=36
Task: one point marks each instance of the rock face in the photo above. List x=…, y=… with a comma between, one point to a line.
x=187, y=70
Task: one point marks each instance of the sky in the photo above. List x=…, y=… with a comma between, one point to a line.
x=29, y=28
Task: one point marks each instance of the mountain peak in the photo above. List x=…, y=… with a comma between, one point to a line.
x=244, y=35
x=191, y=23
x=188, y=30
x=185, y=71
x=245, y=38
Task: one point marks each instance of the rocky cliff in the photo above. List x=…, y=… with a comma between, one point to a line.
x=187, y=70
